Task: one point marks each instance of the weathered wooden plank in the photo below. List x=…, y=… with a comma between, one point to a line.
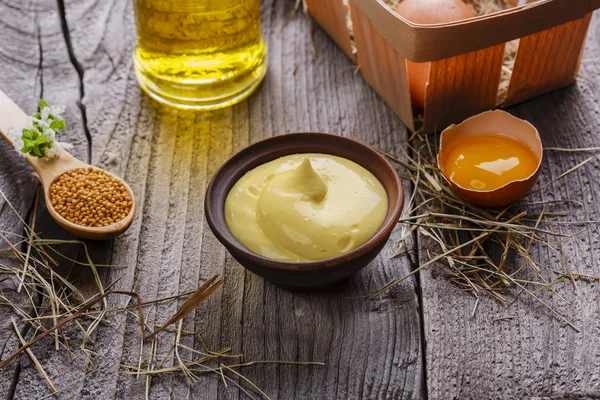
x=19, y=187
x=35, y=64
x=534, y=355
x=60, y=84
x=372, y=348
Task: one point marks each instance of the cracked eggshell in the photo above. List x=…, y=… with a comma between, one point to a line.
x=496, y=121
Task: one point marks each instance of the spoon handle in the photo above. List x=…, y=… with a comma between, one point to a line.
x=48, y=170
x=11, y=116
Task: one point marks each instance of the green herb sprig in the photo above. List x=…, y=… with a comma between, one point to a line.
x=39, y=139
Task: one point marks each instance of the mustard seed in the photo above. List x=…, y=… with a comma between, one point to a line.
x=90, y=197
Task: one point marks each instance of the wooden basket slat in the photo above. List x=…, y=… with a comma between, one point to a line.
x=331, y=15
x=462, y=86
x=421, y=43
x=382, y=67
x=547, y=60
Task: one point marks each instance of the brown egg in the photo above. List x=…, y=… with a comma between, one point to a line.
x=521, y=158
x=428, y=12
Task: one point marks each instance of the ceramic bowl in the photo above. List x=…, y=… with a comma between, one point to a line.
x=303, y=276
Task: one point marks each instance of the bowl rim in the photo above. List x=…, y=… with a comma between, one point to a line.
x=225, y=236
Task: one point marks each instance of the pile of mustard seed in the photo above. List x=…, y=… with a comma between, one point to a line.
x=90, y=197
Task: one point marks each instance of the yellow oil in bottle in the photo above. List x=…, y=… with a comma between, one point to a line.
x=199, y=54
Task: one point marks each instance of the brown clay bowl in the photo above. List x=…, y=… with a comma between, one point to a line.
x=305, y=276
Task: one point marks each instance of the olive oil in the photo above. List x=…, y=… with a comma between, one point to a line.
x=199, y=54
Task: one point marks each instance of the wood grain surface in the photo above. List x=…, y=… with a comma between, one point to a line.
x=479, y=354
x=78, y=53
x=419, y=340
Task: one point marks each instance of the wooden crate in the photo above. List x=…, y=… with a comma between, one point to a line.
x=466, y=56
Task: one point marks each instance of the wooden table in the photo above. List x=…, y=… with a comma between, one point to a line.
x=418, y=340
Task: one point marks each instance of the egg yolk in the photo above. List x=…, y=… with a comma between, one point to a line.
x=488, y=162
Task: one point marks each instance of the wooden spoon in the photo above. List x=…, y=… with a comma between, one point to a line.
x=11, y=116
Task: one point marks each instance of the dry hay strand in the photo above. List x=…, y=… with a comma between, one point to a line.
x=483, y=251
x=485, y=7
x=47, y=304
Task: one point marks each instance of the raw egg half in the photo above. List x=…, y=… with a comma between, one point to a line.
x=491, y=160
